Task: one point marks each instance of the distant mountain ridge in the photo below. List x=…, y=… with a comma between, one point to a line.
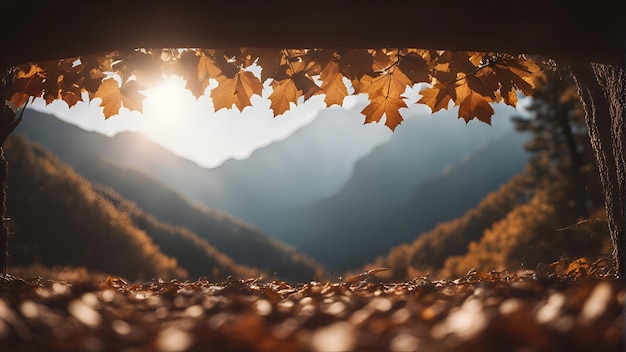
x=370, y=206
x=360, y=225
x=244, y=243
x=311, y=164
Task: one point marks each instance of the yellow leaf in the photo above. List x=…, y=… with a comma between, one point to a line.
x=236, y=90
x=109, y=92
x=207, y=68
x=355, y=63
x=472, y=104
x=524, y=75
x=32, y=70
x=389, y=106
x=284, y=93
x=71, y=97
x=437, y=97
x=305, y=85
x=392, y=84
x=332, y=84
x=272, y=61
x=510, y=98
x=415, y=67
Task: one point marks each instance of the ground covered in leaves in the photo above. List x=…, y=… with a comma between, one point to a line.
x=566, y=306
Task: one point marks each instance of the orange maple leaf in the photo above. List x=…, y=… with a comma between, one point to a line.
x=284, y=93
x=392, y=83
x=113, y=97
x=415, y=67
x=207, y=67
x=144, y=66
x=389, y=106
x=355, y=63
x=71, y=97
x=524, y=75
x=272, y=61
x=305, y=85
x=192, y=69
x=29, y=82
x=385, y=94
x=332, y=84
x=237, y=90
x=437, y=97
x=472, y=104
x=131, y=97
x=109, y=93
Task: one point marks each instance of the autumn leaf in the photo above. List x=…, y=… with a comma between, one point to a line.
x=92, y=72
x=284, y=92
x=131, y=97
x=71, y=97
x=207, y=67
x=113, y=97
x=483, y=83
x=272, y=61
x=332, y=83
x=438, y=96
x=109, y=93
x=188, y=68
x=385, y=94
x=52, y=82
x=144, y=67
x=384, y=59
x=236, y=90
x=389, y=106
x=472, y=104
x=472, y=80
x=227, y=68
x=305, y=85
x=524, y=75
x=70, y=90
x=459, y=61
x=415, y=67
x=393, y=83
x=355, y=63
x=29, y=82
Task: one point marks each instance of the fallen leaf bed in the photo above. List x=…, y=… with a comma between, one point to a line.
x=562, y=307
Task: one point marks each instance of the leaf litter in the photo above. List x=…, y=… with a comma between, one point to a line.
x=569, y=305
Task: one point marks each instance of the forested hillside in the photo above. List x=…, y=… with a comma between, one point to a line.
x=554, y=209
x=242, y=242
x=58, y=220
x=368, y=220
x=98, y=160
x=319, y=191
x=193, y=253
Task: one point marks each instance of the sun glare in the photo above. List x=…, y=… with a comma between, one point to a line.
x=167, y=105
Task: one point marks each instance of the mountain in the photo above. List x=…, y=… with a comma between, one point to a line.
x=193, y=253
x=237, y=239
x=57, y=220
x=404, y=187
x=365, y=190
x=312, y=163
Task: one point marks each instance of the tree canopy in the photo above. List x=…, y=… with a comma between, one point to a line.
x=471, y=80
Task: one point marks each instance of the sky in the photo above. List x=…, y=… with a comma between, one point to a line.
x=190, y=127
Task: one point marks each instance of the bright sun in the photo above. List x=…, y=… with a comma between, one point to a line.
x=167, y=106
